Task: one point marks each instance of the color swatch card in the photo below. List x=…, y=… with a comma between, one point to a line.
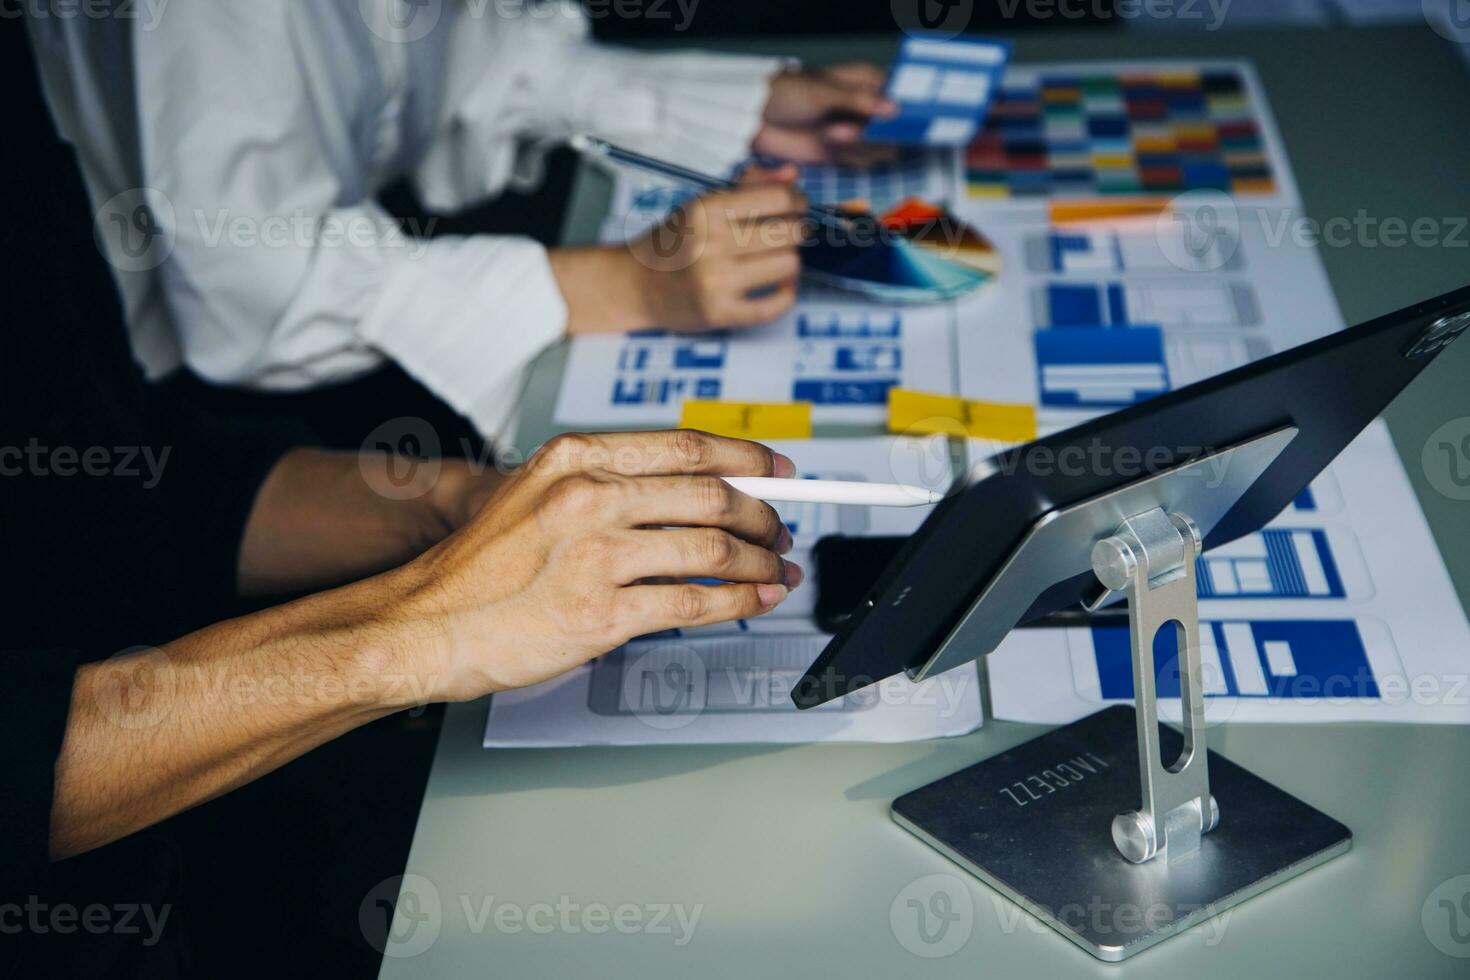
x=943, y=88
x=1127, y=129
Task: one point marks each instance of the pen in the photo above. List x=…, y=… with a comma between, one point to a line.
x=834, y=492
x=593, y=147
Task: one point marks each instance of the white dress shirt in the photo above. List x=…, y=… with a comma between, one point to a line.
x=264, y=130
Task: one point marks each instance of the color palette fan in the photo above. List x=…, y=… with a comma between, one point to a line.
x=916, y=252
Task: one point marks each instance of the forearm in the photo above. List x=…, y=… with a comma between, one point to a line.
x=605, y=288
x=323, y=518
x=163, y=730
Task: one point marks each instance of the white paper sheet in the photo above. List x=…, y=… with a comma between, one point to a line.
x=723, y=689
x=1224, y=282
x=839, y=353
x=1272, y=295
x=1340, y=611
x=732, y=683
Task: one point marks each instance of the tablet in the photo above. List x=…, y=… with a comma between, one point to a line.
x=1321, y=394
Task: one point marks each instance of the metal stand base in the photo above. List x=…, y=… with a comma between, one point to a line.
x=1034, y=824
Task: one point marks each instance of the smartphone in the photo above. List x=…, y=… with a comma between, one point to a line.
x=847, y=567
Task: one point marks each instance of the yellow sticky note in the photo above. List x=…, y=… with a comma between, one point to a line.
x=918, y=413
x=1001, y=421
x=746, y=420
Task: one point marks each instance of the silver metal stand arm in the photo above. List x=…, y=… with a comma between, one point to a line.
x=1151, y=558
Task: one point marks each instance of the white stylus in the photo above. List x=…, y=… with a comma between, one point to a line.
x=834, y=492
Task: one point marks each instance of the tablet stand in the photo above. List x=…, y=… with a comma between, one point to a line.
x=1151, y=559
x=1090, y=828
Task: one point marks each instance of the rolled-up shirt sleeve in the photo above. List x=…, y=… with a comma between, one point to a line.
x=284, y=273
x=517, y=84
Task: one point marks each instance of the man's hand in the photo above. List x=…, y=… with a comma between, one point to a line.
x=584, y=548
x=818, y=116
x=590, y=545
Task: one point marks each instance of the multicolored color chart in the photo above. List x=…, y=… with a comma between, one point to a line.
x=1091, y=133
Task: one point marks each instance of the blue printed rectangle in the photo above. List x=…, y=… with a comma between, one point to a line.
x=837, y=391
x=1260, y=659
x=1086, y=304
x=848, y=325
x=1277, y=563
x=664, y=391
x=1100, y=366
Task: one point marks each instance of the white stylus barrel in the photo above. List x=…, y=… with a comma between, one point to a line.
x=834, y=492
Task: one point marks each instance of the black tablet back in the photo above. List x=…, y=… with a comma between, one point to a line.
x=1329, y=389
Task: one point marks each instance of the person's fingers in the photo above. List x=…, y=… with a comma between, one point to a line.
x=863, y=155
x=834, y=97
x=654, y=608
x=704, y=501
x=659, y=454
x=842, y=133
x=785, y=173
x=801, y=144
x=699, y=552
x=769, y=268
x=750, y=202
x=859, y=74
x=766, y=307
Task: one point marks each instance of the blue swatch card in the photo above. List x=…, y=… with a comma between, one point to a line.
x=943, y=89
